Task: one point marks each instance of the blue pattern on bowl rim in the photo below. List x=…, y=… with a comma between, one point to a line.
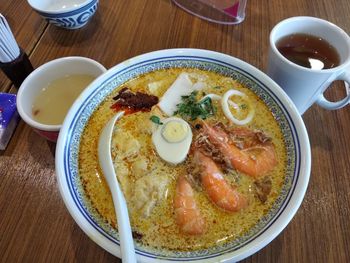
x=72, y=19
x=82, y=115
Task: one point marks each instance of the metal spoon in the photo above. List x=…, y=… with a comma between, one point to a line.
x=121, y=210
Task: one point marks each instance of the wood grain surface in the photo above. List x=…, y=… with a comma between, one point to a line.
x=35, y=226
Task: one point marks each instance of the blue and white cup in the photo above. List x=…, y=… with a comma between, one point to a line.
x=69, y=14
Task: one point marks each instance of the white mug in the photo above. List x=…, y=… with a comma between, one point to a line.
x=303, y=85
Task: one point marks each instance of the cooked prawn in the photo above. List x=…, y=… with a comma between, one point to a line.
x=215, y=185
x=254, y=161
x=187, y=214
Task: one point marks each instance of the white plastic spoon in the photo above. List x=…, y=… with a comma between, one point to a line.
x=121, y=210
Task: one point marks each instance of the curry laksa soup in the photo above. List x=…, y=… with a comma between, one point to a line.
x=200, y=158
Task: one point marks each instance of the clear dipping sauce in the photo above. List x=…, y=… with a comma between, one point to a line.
x=53, y=102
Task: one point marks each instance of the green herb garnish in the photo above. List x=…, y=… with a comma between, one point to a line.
x=243, y=106
x=156, y=120
x=191, y=109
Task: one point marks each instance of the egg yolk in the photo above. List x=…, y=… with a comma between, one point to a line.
x=174, y=131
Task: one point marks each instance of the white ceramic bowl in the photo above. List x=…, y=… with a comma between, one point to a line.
x=291, y=124
x=41, y=77
x=70, y=14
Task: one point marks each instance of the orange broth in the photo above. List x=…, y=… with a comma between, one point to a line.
x=159, y=229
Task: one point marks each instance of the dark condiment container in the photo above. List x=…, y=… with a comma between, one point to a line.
x=18, y=69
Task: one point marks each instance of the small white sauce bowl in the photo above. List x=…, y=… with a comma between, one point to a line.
x=40, y=78
x=69, y=14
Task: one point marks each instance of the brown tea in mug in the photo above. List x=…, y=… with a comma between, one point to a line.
x=308, y=51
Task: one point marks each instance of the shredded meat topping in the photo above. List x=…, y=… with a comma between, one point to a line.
x=244, y=138
x=263, y=188
x=193, y=176
x=202, y=142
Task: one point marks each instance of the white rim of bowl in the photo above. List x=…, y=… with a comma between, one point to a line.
x=58, y=11
x=24, y=115
x=252, y=247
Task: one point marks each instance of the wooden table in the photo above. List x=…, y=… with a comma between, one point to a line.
x=35, y=226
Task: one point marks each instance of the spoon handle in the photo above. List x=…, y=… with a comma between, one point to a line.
x=126, y=240
x=104, y=154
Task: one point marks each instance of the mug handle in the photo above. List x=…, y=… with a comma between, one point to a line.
x=323, y=102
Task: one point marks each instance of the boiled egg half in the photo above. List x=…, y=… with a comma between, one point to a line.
x=172, y=140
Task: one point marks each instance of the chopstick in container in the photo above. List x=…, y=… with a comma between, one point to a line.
x=14, y=62
x=9, y=49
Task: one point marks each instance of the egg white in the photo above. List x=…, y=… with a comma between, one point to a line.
x=172, y=152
